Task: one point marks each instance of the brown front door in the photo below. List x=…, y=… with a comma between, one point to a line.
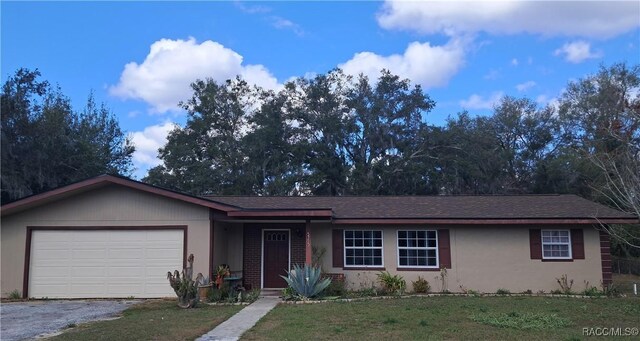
x=276, y=258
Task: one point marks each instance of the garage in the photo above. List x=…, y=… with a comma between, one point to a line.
x=103, y=262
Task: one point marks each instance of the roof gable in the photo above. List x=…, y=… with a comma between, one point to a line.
x=104, y=180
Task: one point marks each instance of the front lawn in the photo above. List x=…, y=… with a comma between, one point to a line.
x=446, y=318
x=154, y=320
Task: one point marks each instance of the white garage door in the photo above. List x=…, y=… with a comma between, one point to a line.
x=103, y=263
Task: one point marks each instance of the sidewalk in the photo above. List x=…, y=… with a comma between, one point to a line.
x=233, y=328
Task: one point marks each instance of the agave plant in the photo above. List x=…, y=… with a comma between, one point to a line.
x=306, y=282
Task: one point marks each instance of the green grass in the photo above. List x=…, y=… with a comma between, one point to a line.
x=153, y=320
x=446, y=318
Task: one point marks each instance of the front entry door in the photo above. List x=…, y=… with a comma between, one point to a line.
x=276, y=258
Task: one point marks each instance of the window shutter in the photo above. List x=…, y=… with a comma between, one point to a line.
x=577, y=243
x=444, y=249
x=535, y=244
x=338, y=249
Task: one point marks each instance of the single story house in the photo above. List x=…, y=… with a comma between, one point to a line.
x=110, y=236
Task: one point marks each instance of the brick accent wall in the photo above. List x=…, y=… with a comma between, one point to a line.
x=251, y=256
x=252, y=253
x=297, y=244
x=605, y=256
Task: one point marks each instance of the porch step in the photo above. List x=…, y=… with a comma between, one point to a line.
x=270, y=293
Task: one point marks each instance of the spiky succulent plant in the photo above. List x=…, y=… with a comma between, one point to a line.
x=306, y=281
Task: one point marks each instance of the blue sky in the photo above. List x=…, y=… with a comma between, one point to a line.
x=139, y=57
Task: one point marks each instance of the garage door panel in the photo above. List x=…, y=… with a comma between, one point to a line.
x=53, y=271
x=88, y=236
x=96, y=263
x=87, y=289
x=126, y=253
x=89, y=254
x=78, y=272
x=162, y=254
x=53, y=254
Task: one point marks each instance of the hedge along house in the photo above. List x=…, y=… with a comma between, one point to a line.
x=114, y=237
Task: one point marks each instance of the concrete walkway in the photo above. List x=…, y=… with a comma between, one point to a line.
x=233, y=328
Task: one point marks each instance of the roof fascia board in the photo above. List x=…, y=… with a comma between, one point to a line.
x=322, y=213
x=538, y=221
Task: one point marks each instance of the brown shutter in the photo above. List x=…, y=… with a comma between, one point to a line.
x=535, y=244
x=577, y=243
x=444, y=249
x=338, y=249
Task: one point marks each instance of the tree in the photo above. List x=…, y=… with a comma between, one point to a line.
x=273, y=147
x=388, y=139
x=46, y=144
x=207, y=156
x=601, y=113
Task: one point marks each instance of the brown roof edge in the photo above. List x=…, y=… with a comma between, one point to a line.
x=326, y=213
x=506, y=221
x=106, y=179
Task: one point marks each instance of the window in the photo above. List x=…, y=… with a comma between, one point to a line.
x=418, y=249
x=363, y=248
x=556, y=244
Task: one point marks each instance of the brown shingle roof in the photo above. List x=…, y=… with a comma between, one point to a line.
x=436, y=207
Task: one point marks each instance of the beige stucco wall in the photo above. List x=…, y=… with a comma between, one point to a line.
x=483, y=259
x=108, y=206
x=228, y=244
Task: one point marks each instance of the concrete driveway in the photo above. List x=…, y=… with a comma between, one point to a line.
x=27, y=320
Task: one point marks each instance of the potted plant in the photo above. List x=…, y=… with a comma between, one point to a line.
x=221, y=272
x=204, y=286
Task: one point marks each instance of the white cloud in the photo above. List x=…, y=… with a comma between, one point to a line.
x=577, y=52
x=422, y=63
x=514, y=62
x=286, y=24
x=251, y=9
x=147, y=143
x=163, y=78
x=594, y=19
x=476, y=101
x=525, y=86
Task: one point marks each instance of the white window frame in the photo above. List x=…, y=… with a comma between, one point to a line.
x=398, y=247
x=542, y=243
x=345, y=247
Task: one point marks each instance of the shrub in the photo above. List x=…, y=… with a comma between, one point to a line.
x=611, y=290
x=421, y=286
x=306, y=281
x=472, y=292
x=336, y=288
x=15, y=295
x=364, y=292
x=392, y=284
x=251, y=295
x=221, y=294
x=503, y=291
x=288, y=294
x=592, y=291
x=565, y=284
x=528, y=292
